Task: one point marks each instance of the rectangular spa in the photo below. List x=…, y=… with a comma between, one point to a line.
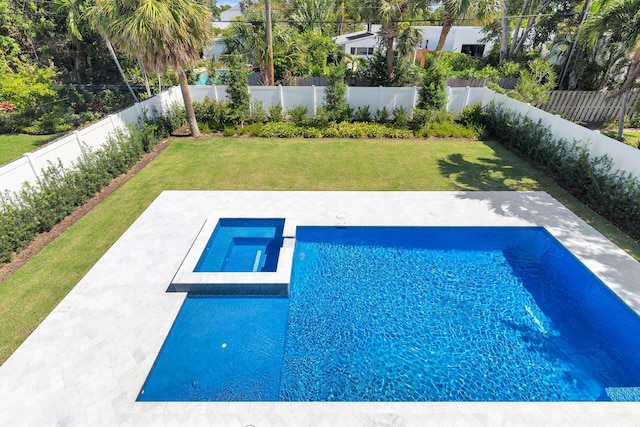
x=239, y=256
x=410, y=314
x=243, y=245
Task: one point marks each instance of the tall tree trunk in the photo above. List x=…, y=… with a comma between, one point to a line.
x=188, y=105
x=145, y=77
x=504, y=33
x=623, y=113
x=389, y=54
x=446, y=27
x=516, y=30
x=115, y=59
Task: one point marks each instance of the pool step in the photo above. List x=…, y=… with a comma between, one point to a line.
x=623, y=394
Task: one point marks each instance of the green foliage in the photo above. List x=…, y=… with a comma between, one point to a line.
x=400, y=117
x=612, y=193
x=214, y=113
x=335, y=94
x=237, y=80
x=282, y=130
x=257, y=113
x=447, y=129
x=362, y=114
x=536, y=83
x=28, y=87
x=276, y=113
x=365, y=130
x=375, y=71
x=298, y=113
x=433, y=90
x=420, y=119
x=382, y=115
x=37, y=207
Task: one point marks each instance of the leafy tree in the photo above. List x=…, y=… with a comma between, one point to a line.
x=433, y=90
x=393, y=16
x=375, y=71
x=535, y=83
x=248, y=37
x=620, y=20
x=161, y=33
x=28, y=86
x=237, y=80
x=335, y=94
x=483, y=10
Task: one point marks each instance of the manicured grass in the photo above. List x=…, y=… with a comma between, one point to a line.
x=631, y=136
x=30, y=294
x=15, y=145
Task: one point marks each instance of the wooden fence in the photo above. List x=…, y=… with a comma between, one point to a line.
x=588, y=106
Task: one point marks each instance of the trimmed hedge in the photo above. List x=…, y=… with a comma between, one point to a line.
x=37, y=207
x=333, y=130
x=614, y=194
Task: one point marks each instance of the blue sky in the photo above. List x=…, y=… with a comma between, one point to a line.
x=229, y=2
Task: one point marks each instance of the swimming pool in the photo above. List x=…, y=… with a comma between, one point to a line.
x=409, y=314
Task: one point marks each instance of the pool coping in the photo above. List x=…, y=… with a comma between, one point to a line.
x=86, y=362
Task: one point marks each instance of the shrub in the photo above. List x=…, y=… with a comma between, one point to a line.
x=298, y=113
x=362, y=114
x=237, y=80
x=335, y=94
x=400, y=117
x=613, y=194
x=39, y=206
x=257, y=113
x=276, y=114
x=281, y=130
x=382, y=115
x=433, y=89
x=214, y=113
x=449, y=130
x=420, y=119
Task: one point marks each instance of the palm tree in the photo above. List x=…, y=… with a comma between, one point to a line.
x=482, y=10
x=620, y=20
x=161, y=33
x=391, y=14
x=248, y=37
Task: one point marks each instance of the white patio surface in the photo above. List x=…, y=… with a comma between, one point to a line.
x=87, y=361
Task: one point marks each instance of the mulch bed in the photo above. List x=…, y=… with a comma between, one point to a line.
x=44, y=239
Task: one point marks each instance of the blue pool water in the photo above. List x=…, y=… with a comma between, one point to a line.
x=410, y=314
x=242, y=245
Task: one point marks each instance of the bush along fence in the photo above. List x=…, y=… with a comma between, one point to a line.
x=38, y=206
x=613, y=193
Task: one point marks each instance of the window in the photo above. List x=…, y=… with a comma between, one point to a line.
x=473, y=49
x=361, y=51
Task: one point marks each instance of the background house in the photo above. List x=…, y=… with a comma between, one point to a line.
x=460, y=39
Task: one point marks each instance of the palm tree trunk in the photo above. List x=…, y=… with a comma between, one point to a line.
x=188, y=105
x=115, y=59
x=446, y=27
x=623, y=113
x=504, y=34
x=389, y=54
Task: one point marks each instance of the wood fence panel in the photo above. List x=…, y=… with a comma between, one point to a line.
x=588, y=106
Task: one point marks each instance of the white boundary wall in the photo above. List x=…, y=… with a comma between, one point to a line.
x=68, y=149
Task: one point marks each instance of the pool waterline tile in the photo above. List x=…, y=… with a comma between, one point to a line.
x=161, y=237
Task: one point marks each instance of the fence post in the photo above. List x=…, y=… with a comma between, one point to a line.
x=314, y=100
x=467, y=93
x=379, y=96
x=215, y=92
x=281, y=92
x=414, y=102
x=33, y=168
x=77, y=135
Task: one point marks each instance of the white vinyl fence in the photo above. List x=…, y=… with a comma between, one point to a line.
x=68, y=149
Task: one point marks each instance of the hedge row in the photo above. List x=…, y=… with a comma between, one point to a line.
x=37, y=207
x=612, y=193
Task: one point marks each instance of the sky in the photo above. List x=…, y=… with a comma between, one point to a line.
x=229, y=2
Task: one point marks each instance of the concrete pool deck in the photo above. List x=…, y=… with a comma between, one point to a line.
x=86, y=362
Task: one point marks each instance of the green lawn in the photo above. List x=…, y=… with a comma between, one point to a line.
x=30, y=294
x=15, y=145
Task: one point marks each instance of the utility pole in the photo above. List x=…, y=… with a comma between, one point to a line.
x=267, y=11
